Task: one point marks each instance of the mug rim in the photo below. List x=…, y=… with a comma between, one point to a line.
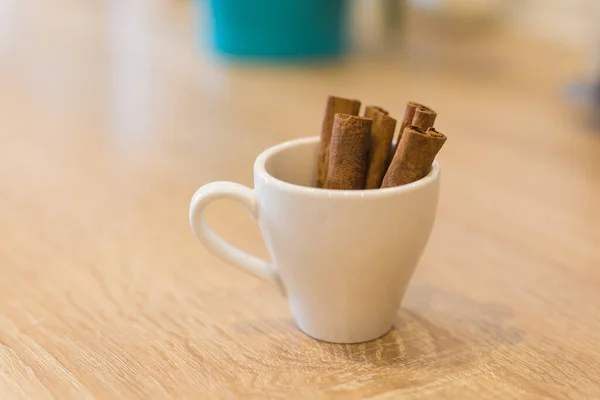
x=260, y=170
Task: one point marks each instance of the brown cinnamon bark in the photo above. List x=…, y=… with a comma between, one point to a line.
x=424, y=118
x=393, y=149
x=349, y=152
x=415, y=154
x=370, y=111
x=409, y=114
x=382, y=134
x=334, y=105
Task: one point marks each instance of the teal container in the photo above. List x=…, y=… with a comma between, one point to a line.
x=277, y=29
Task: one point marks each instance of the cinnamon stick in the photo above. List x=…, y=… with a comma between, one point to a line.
x=415, y=154
x=382, y=134
x=370, y=111
x=409, y=114
x=424, y=118
x=334, y=105
x=349, y=152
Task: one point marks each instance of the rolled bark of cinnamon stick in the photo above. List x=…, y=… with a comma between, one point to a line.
x=349, y=152
x=409, y=114
x=424, y=118
x=370, y=111
x=393, y=149
x=382, y=134
x=334, y=105
x=415, y=154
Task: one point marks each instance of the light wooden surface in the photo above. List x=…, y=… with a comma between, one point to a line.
x=110, y=119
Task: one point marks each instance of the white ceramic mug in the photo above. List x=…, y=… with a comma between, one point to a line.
x=344, y=258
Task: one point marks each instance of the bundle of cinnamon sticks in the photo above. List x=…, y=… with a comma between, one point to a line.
x=357, y=152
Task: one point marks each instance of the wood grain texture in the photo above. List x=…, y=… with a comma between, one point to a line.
x=110, y=119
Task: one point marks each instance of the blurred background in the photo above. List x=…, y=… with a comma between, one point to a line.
x=133, y=57
x=167, y=87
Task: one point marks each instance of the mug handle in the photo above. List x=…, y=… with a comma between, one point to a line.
x=214, y=243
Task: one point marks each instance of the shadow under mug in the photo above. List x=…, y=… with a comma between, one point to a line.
x=344, y=258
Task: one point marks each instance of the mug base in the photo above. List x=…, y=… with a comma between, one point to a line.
x=346, y=338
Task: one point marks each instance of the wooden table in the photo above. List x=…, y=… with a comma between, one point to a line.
x=110, y=119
